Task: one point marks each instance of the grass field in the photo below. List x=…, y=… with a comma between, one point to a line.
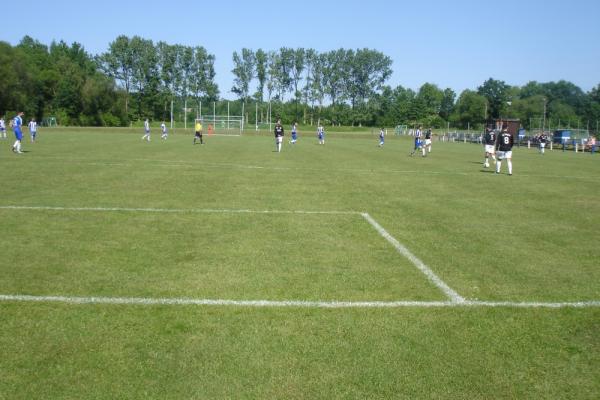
x=167, y=270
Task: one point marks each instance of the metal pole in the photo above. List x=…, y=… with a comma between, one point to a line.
x=171, y=113
x=200, y=110
x=544, y=120
x=214, y=116
x=227, y=114
x=256, y=116
x=243, y=113
x=185, y=114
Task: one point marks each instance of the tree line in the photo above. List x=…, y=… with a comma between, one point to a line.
x=136, y=79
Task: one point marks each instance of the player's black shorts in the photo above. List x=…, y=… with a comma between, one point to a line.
x=199, y=134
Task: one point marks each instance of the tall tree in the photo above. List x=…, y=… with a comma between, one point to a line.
x=470, y=109
x=447, y=105
x=370, y=69
x=119, y=64
x=496, y=93
x=261, y=73
x=244, y=70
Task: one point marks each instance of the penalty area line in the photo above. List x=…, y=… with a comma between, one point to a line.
x=142, y=301
x=177, y=210
x=433, y=278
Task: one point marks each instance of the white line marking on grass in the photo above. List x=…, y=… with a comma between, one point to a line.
x=177, y=210
x=452, y=294
x=289, y=303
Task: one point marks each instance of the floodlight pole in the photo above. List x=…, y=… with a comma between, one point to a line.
x=227, y=114
x=243, y=111
x=185, y=114
x=171, y=113
x=214, y=115
x=256, y=116
x=544, y=120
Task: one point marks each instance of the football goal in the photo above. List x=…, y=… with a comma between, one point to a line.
x=222, y=124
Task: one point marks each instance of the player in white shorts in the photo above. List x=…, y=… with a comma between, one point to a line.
x=489, y=142
x=2, y=128
x=146, y=130
x=278, y=135
x=543, y=140
x=163, y=129
x=504, y=147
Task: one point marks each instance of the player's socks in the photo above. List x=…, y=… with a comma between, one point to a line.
x=498, y=165
x=509, y=163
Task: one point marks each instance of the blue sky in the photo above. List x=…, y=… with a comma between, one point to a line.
x=456, y=44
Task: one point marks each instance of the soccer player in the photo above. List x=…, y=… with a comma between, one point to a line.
x=146, y=130
x=427, y=141
x=381, y=137
x=504, y=146
x=32, y=129
x=198, y=132
x=294, y=133
x=2, y=128
x=489, y=143
x=418, y=142
x=321, y=133
x=543, y=140
x=163, y=129
x=17, y=122
x=278, y=135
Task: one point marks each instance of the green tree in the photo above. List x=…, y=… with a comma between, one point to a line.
x=243, y=70
x=496, y=93
x=261, y=73
x=119, y=64
x=470, y=109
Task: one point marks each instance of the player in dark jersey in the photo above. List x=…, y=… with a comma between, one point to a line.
x=427, y=142
x=543, y=140
x=489, y=142
x=504, y=146
x=278, y=135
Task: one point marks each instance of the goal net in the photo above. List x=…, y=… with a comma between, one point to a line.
x=222, y=124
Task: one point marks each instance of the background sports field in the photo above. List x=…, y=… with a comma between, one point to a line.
x=285, y=287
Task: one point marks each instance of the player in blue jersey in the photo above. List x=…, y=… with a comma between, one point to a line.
x=381, y=137
x=32, y=129
x=294, y=133
x=146, y=130
x=418, y=142
x=321, y=133
x=17, y=122
x=2, y=128
x=163, y=129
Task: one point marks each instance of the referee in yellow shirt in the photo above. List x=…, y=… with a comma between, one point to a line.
x=198, y=134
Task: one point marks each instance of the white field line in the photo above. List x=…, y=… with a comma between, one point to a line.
x=455, y=298
x=453, y=295
x=177, y=210
x=142, y=301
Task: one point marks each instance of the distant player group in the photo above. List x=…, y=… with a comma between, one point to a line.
x=16, y=123
x=280, y=132
x=498, y=144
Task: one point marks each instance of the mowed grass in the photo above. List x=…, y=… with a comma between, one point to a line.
x=529, y=237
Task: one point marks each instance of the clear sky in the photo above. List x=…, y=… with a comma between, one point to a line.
x=454, y=43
